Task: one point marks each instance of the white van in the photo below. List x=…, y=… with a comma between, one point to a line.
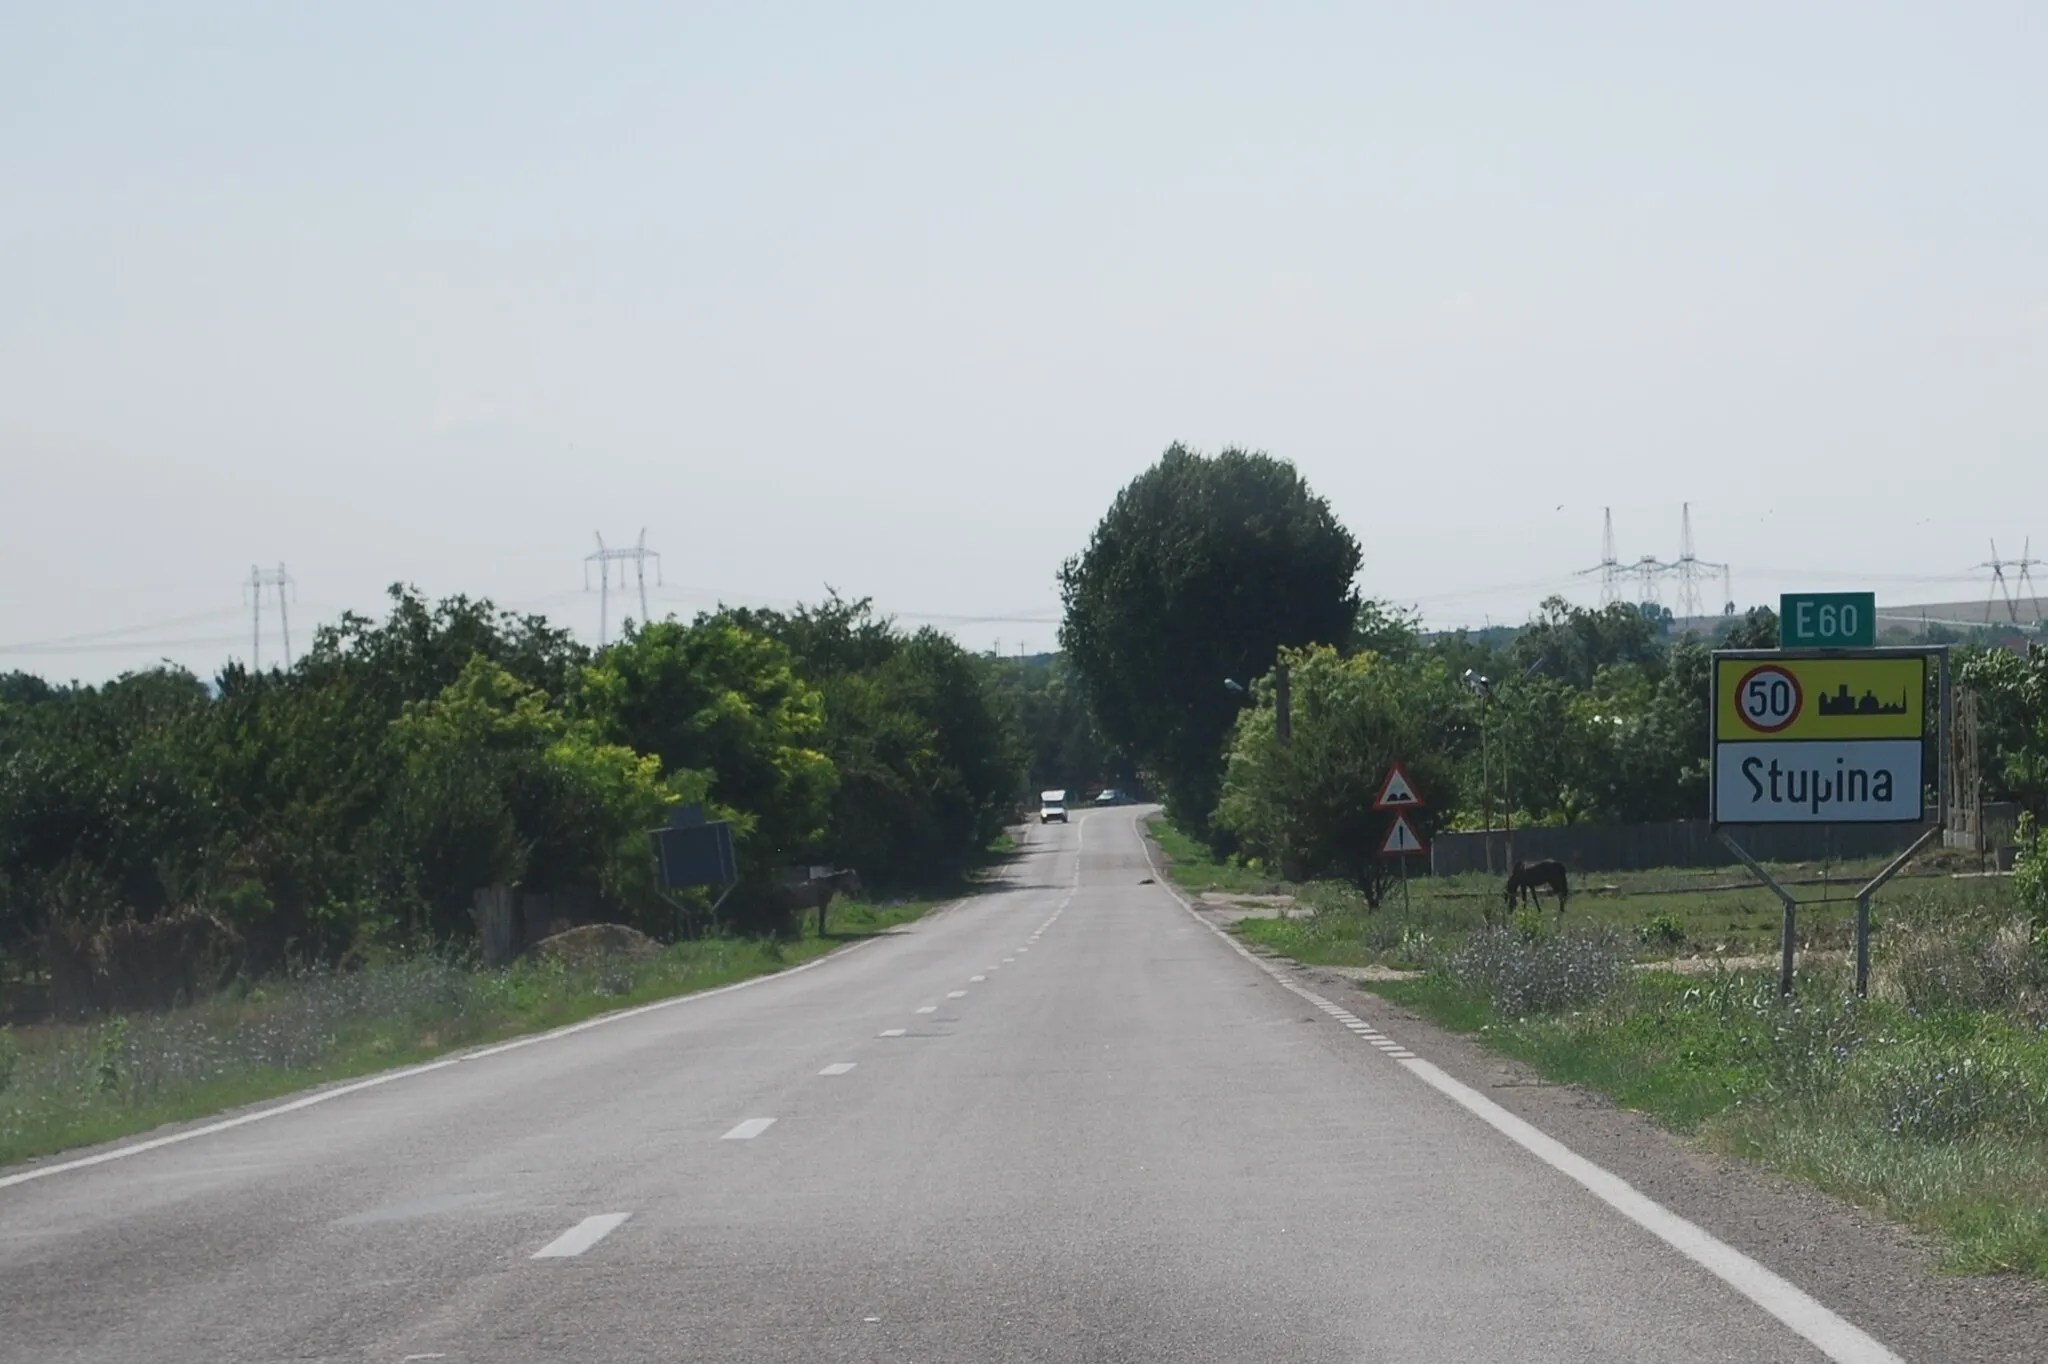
x=1052, y=805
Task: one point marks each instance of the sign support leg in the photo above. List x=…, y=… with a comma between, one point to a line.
x=1863, y=908
x=1784, y=897
x=1404, y=885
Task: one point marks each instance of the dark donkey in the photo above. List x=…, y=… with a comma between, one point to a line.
x=1531, y=879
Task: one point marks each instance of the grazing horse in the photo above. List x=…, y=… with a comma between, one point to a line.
x=1531, y=879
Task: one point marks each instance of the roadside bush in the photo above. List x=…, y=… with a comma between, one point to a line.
x=1663, y=931
x=1973, y=962
x=1524, y=973
x=10, y=1056
x=2030, y=872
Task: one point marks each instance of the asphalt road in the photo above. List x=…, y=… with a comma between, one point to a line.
x=1064, y=1121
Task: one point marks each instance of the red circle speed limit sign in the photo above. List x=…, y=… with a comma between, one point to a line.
x=1768, y=698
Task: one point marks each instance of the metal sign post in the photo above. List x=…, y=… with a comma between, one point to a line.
x=1400, y=795
x=1826, y=736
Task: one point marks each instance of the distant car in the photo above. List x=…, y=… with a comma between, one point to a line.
x=1052, y=805
x=1110, y=796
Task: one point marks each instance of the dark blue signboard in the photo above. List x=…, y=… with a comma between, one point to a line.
x=694, y=851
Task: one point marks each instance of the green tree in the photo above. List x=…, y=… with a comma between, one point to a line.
x=1310, y=802
x=920, y=732
x=1202, y=569
x=497, y=786
x=1570, y=643
x=720, y=698
x=1756, y=628
x=2011, y=692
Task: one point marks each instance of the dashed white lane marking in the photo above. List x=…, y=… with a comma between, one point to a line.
x=976, y=980
x=581, y=1237
x=748, y=1130
x=956, y=994
x=1833, y=1335
x=927, y=1008
x=892, y=1032
x=838, y=1068
x=1006, y=962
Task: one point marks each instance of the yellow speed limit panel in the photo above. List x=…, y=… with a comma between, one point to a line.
x=1763, y=699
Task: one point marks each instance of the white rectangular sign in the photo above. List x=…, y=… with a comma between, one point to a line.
x=1843, y=781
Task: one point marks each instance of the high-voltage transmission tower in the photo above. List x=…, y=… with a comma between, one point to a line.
x=259, y=579
x=1614, y=573
x=638, y=555
x=1609, y=567
x=2001, y=586
x=1690, y=568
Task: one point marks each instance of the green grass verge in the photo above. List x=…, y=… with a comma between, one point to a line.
x=66, y=1085
x=1191, y=866
x=1938, y=1120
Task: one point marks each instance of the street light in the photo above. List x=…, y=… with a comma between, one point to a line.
x=1482, y=687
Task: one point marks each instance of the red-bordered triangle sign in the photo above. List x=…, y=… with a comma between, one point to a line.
x=1398, y=793
x=1402, y=840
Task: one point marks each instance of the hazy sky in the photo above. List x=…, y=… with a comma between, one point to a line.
x=894, y=297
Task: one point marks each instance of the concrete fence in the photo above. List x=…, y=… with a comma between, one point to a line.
x=1670, y=843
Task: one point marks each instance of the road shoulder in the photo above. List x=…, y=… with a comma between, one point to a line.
x=1875, y=1273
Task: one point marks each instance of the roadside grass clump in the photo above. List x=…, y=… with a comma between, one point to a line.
x=1526, y=969
x=65, y=1085
x=1342, y=930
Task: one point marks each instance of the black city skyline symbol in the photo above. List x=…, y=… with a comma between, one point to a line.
x=1842, y=703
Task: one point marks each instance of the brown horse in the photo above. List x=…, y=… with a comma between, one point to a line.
x=1531, y=879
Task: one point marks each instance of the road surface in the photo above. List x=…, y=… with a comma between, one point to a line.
x=1065, y=1121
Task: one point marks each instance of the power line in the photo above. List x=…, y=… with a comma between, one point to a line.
x=37, y=646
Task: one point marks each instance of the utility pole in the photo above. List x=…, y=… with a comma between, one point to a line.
x=258, y=580
x=604, y=559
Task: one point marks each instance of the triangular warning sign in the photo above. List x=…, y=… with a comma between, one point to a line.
x=1401, y=839
x=1398, y=793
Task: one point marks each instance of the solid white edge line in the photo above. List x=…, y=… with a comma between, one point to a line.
x=1831, y=1334
x=407, y=1072
x=582, y=1236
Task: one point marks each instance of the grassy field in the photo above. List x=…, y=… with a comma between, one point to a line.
x=1927, y=1102
x=1671, y=912
x=67, y=1085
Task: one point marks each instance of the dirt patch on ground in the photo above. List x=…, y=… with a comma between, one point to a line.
x=1358, y=973
x=1706, y=966
x=598, y=940
x=1227, y=907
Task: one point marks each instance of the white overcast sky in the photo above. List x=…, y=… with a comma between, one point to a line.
x=895, y=297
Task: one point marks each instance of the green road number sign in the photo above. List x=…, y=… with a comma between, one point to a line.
x=1827, y=620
